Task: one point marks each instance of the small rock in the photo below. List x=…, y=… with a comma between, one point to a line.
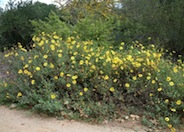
x=120, y=120
x=22, y=124
x=126, y=117
x=105, y=122
x=150, y=130
x=12, y=106
x=134, y=117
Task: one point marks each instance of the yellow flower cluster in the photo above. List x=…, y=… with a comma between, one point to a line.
x=75, y=65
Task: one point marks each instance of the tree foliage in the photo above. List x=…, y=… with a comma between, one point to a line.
x=90, y=20
x=15, y=25
x=163, y=19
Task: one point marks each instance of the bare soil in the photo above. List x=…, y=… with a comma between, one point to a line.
x=13, y=120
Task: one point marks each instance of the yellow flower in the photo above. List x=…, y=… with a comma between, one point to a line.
x=19, y=45
x=20, y=71
x=56, y=77
x=72, y=58
x=36, y=56
x=26, y=71
x=120, y=48
x=171, y=83
x=149, y=38
x=45, y=64
x=60, y=51
x=173, y=109
x=6, y=55
x=26, y=66
x=151, y=94
x=75, y=53
x=74, y=77
x=29, y=61
x=121, y=67
x=34, y=45
x=175, y=69
x=5, y=84
x=101, y=72
x=7, y=95
x=45, y=56
x=55, y=37
x=19, y=94
x=167, y=119
x=112, y=89
x=52, y=47
x=134, y=78
x=116, y=60
x=53, y=41
x=41, y=43
x=93, y=67
x=78, y=46
x=59, y=55
x=140, y=75
x=73, y=62
x=51, y=65
x=178, y=102
x=32, y=82
x=81, y=93
x=169, y=126
x=166, y=101
x=61, y=74
x=115, y=80
x=173, y=129
x=81, y=62
x=87, y=62
x=129, y=57
x=73, y=42
x=37, y=68
x=168, y=79
x=137, y=64
x=106, y=77
x=148, y=77
x=127, y=85
x=68, y=75
x=159, y=89
x=74, y=82
x=37, y=39
x=153, y=81
x=53, y=96
x=85, y=89
x=122, y=43
x=68, y=85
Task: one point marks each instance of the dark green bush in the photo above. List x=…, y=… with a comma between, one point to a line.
x=163, y=20
x=53, y=24
x=15, y=25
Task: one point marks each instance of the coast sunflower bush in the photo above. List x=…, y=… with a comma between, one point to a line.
x=78, y=79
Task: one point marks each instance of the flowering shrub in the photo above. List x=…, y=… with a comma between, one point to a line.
x=78, y=79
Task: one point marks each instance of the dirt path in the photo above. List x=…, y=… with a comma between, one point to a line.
x=12, y=120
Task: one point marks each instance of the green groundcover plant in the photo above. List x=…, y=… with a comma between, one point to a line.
x=78, y=79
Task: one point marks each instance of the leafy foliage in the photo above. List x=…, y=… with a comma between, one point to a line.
x=76, y=79
x=88, y=28
x=15, y=23
x=163, y=20
x=53, y=24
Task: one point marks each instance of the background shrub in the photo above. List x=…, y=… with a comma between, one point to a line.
x=52, y=24
x=163, y=20
x=15, y=25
